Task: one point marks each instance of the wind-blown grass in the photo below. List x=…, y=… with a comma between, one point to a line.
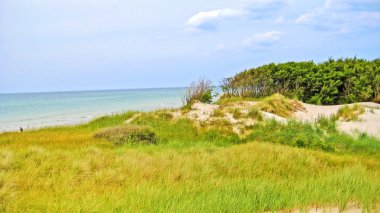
x=323, y=136
x=279, y=105
x=189, y=169
x=350, y=113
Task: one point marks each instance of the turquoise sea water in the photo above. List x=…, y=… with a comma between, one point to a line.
x=34, y=110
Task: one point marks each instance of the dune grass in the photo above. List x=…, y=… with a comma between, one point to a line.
x=350, y=113
x=279, y=105
x=233, y=99
x=188, y=169
x=322, y=136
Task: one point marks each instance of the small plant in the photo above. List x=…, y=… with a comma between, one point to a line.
x=200, y=90
x=350, y=113
x=326, y=124
x=120, y=135
x=255, y=114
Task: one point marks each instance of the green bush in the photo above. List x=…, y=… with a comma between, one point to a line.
x=331, y=82
x=120, y=135
x=206, y=96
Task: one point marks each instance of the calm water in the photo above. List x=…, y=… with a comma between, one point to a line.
x=35, y=110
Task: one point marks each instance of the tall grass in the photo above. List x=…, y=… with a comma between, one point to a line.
x=279, y=105
x=323, y=136
x=190, y=168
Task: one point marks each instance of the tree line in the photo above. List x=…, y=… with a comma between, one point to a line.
x=331, y=82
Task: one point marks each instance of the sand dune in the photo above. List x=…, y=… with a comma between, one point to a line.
x=368, y=123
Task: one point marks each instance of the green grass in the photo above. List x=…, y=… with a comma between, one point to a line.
x=226, y=100
x=323, y=136
x=190, y=168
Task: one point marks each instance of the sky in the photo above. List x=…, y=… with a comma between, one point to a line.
x=66, y=45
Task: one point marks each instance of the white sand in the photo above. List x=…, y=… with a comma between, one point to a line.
x=369, y=122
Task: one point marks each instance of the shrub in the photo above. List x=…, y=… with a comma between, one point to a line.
x=350, y=113
x=331, y=82
x=377, y=99
x=200, y=90
x=120, y=135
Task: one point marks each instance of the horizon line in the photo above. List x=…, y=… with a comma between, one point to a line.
x=89, y=90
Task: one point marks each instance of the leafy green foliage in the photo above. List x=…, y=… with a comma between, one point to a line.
x=206, y=96
x=332, y=82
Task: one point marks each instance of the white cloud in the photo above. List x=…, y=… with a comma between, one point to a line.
x=343, y=16
x=266, y=38
x=208, y=19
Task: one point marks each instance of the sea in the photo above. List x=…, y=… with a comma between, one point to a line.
x=37, y=110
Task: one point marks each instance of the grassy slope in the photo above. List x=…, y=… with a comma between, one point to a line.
x=65, y=169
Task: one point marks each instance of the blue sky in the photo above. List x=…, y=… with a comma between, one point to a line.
x=62, y=45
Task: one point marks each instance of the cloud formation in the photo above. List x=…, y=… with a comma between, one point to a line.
x=343, y=16
x=263, y=39
x=208, y=19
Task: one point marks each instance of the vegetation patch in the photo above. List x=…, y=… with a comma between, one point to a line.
x=279, y=105
x=255, y=114
x=323, y=136
x=331, y=82
x=350, y=113
x=120, y=135
x=201, y=168
x=218, y=112
x=236, y=113
x=226, y=99
x=200, y=90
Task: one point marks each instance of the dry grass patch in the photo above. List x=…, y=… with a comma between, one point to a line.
x=120, y=135
x=279, y=105
x=350, y=113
